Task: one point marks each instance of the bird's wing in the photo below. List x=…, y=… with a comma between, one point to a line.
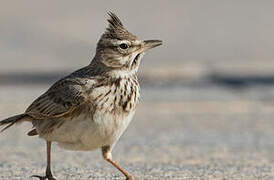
x=62, y=98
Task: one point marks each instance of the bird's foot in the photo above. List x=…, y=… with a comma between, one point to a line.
x=130, y=177
x=47, y=177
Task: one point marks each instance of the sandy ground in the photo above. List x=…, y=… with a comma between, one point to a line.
x=184, y=132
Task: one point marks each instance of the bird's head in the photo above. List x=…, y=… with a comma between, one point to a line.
x=120, y=50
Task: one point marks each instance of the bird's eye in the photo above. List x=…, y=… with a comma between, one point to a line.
x=123, y=46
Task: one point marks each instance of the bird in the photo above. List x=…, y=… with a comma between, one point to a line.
x=90, y=108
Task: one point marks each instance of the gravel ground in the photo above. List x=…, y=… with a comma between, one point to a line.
x=184, y=132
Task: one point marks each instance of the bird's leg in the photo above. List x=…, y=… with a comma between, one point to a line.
x=48, y=170
x=106, y=151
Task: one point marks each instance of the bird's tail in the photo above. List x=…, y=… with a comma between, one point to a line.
x=12, y=120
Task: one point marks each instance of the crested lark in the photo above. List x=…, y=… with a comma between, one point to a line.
x=92, y=107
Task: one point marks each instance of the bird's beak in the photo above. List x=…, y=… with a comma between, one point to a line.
x=148, y=44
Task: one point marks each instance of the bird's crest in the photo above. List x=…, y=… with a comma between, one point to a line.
x=114, y=21
x=116, y=29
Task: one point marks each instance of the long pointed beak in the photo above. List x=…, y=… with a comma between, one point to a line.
x=148, y=44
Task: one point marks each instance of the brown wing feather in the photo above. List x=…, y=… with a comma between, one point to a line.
x=62, y=98
x=66, y=98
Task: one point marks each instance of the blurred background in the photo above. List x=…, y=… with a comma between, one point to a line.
x=207, y=93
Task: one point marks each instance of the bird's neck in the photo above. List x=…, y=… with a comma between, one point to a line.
x=121, y=74
x=98, y=68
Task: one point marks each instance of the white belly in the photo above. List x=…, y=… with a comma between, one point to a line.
x=87, y=134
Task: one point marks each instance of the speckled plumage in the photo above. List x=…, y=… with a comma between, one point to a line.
x=74, y=108
x=92, y=107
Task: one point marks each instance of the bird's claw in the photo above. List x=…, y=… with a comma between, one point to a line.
x=43, y=177
x=130, y=177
